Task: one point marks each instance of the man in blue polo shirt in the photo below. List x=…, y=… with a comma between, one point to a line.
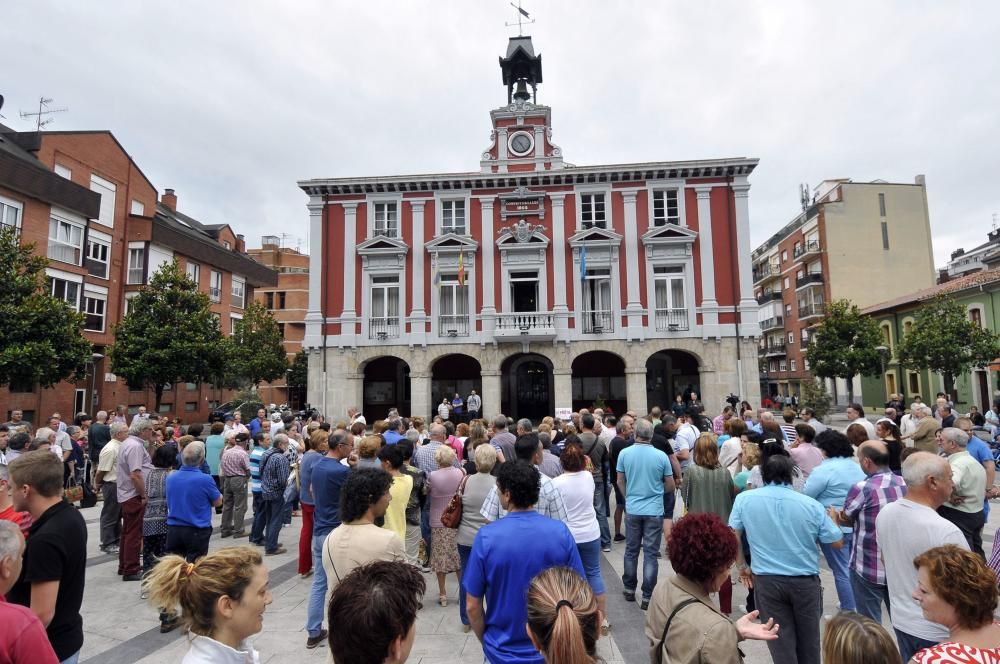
x=783, y=527
x=644, y=474
x=191, y=495
x=506, y=555
x=328, y=476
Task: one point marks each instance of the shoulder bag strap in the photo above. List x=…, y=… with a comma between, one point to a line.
x=666, y=628
x=461, y=486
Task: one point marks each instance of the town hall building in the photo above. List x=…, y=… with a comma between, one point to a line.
x=539, y=284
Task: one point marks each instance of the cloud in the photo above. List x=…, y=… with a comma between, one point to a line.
x=231, y=103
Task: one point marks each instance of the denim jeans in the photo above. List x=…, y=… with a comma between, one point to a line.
x=317, y=594
x=463, y=558
x=600, y=507
x=839, y=562
x=425, y=529
x=590, y=556
x=259, y=520
x=644, y=532
x=273, y=509
x=910, y=645
x=72, y=659
x=868, y=597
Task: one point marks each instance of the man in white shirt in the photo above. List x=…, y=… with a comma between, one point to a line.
x=905, y=529
x=140, y=415
x=684, y=439
x=856, y=415
x=908, y=423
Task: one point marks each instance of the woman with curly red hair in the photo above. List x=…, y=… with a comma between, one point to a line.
x=956, y=589
x=702, y=550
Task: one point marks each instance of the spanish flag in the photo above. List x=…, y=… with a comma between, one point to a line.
x=461, y=268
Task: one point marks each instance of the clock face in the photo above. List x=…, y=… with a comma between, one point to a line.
x=521, y=143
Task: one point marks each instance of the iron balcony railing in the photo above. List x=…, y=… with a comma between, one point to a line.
x=810, y=247
x=671, y=320
x=383, y=328
x=769, y=296
x=774, y=348
x=812, y=310
x=453, y=326
x=772, y=323
x=598, y=322
x=809, y=279
x=766, y=272
x=215, y=294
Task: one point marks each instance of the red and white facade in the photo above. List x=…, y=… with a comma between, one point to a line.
x=629, y=260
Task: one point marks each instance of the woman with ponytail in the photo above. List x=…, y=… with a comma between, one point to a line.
x=222, y=599
x=564, y=620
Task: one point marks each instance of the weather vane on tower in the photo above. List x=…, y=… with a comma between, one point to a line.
x=522, y=14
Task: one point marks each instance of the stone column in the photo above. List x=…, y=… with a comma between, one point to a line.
x=562, y=388
x=559, y=307
x=348, y=327
x=314, y=315
x=418, y=316
x=635, y=389
x=489, y=310
x=502, y=150
x=634, y=306
x=420, y=393
x=491, y=392
x=748, y=305
x=709, y=305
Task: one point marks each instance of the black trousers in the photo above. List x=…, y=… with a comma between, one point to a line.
x=188, y=541
x=970, y=523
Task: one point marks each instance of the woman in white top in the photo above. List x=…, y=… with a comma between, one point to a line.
x=576, y=486
x=222, y=597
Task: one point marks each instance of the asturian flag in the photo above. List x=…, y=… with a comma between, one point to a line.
x=583, y=264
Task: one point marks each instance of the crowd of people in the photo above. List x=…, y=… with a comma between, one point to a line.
x=520, y=514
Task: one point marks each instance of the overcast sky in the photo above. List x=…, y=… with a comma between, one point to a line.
x=231, y=103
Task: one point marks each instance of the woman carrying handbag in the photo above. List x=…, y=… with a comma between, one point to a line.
x=442, y=487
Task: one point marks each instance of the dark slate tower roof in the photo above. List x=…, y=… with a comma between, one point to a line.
x=521, y=67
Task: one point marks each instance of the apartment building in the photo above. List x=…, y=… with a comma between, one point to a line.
x=866, y=242
x=85, y=204
x=288, y=302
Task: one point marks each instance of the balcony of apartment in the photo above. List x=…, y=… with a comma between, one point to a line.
x=769, y=296
x=237, y=301
x=773, y=348
x=671, y=320
x=453, y=326
x=811, y=311
x=764, y=272
x=598, y=322
x=811, y=279
x=383, y=328
x=525, y=325
x=808, y=249
x=772, y=323
x=215, y=294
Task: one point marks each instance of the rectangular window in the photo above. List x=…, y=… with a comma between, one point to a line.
x=785, y=282
x=128, y=303
x=269, y=300
x=386, y=221
x=384, y=320
x=65, y=241
x=792, y=365
x=881, y=205
x=782, y=366
x=885, y=235
x=788, y=311
x=784, y=256
x=215, y=286
x=281, y=330
x=98, y=257
x=453, y=217
x=137, y=208
x=671, y=307
x=93, y=308
x=166, y=407
x=597, y=316
x=791, y=337
x=107, y=191
x=454, y=307
x=233, y=320
x=63, y=171
x=592, y=212
x=190, y=406
x=193, y=271
x=225, y=243
x=136, y=266
x=190, y=387
x=914, y=381
x=665, y=208
x=10, y=213
x=238, y=291
x=66, y=290
x=281, y=299
x=976, y=316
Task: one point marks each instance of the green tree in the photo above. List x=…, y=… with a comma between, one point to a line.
x=815, y=396
x=256, y=350
x=298, y=379
x=844, y=345
x=168, y=336
x=946, y=341
x=41, y=338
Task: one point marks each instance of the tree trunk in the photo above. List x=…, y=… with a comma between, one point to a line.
x=159, y=397
x=850, y=390
x=949, y=386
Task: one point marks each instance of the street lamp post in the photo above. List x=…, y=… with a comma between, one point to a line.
x=883, y=354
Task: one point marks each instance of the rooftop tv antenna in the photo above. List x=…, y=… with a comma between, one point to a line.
x=522, y=14
x=43, y=110
x=804, y=195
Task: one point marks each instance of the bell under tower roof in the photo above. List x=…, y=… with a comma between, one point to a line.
x=521, y=68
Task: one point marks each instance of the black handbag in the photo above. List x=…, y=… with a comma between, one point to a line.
x=89, y=497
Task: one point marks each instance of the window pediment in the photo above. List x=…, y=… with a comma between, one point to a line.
x=669, y=234
x=594, y=236
x=451, y=243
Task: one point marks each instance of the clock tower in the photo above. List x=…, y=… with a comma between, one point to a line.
x=521, y=140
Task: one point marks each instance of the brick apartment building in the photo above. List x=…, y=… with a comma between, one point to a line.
x=288, y=301
x=866, y=242
x=87, y=206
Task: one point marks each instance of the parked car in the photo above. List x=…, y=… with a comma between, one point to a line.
x=248, y=410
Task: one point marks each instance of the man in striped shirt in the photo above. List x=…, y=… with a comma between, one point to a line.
x=262, y=442
x=861, y=507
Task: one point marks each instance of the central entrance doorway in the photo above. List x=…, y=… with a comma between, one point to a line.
x=527, y=387
x=524, y=291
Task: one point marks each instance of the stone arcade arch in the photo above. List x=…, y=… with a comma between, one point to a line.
x=526, y=387
x=386, y=384
x=455, y=373
x=668, y=373
x=599, y=377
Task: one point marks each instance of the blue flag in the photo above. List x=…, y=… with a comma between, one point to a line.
x=583, y=264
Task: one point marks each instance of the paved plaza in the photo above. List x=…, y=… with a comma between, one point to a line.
x=121, y=628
